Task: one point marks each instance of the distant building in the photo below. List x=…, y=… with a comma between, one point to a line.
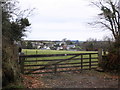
x=70, y=47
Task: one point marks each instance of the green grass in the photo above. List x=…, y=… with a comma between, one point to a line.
x=42, y=52
x=37, y=51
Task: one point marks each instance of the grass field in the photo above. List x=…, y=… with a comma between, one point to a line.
x=37, y=51
x=42, y=52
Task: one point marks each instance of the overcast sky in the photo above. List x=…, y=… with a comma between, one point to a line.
x=58, y=19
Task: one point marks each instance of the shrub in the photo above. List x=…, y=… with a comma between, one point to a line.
x=112, y=60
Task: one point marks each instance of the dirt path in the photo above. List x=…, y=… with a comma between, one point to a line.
x=84, y=79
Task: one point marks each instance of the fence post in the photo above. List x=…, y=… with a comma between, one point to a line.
x=89, y=61
x=104, y=52
x=99, y=56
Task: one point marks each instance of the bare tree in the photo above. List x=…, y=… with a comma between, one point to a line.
x=110, y=20
x=110, y=17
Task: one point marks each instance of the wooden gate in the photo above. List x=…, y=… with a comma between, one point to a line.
x=55, y=63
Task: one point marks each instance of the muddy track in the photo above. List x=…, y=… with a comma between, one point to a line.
x=84, y=79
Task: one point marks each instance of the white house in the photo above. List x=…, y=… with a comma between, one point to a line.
x=45, y=48
x=70, y=46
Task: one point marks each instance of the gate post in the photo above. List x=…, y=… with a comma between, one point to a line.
x=22, y=59
x=99, y=56
x=22, y=65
